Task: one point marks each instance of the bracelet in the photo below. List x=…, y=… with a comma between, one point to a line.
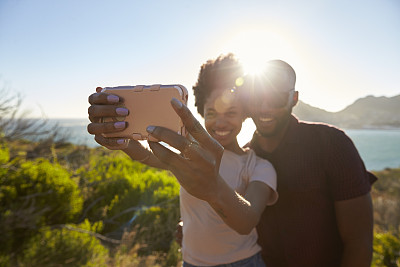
x=145, y=158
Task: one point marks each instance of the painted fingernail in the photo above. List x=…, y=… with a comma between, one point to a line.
x=121, y=111
x=112, y=98
x=120, y=141
x=176, y=103
x=119, y=125
x=150, y=129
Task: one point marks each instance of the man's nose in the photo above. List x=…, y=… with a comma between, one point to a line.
x=264, y=105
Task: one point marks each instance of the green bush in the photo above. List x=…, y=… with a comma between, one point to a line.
x=117, y=188
x=34, y=194
x=4, y=154
x=386, y=250
x=156, y=224
x=46, y=184
x=4, y=158
x=386, y=199
x=107, y=177
x=65, y=247
x=174, y=255
x=388, y=183
x=4, y=260
x=128, y=196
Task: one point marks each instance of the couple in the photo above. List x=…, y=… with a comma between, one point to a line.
x=323, y=216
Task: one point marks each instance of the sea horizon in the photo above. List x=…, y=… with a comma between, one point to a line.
x=379, y=147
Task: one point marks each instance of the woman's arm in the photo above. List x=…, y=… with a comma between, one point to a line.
x=241, y=213
x=198, y=172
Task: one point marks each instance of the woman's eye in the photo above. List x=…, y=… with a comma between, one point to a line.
x=210, y=114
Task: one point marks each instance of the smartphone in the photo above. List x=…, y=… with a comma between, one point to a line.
x=148, y=105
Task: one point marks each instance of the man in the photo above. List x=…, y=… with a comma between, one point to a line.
x=324, y=213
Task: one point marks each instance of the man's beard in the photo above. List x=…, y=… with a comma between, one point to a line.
x=280, y=125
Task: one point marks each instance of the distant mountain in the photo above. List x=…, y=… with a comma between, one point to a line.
x=367, y=112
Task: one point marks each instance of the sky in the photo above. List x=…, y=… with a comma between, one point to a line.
x=55, y=53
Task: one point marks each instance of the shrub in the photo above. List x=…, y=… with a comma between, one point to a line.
x=107, y=179
x=48, y=186
x=128, y=196
x=157, y=221
x=117, y=187
x=34, y=194
x=386, y=250
x=64, y=247
x=386, y=199
x=4, y=154
x=174, y=255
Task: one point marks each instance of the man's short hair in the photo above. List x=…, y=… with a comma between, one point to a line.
x=276, y=76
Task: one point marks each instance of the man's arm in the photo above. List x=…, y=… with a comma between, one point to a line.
x=355, y=223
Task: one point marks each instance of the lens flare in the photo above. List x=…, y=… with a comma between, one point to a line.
x=239, y=82
x=223, y=102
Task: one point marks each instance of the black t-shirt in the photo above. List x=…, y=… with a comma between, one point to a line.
x=316, y=164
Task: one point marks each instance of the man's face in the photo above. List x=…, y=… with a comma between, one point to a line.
x=271, y=109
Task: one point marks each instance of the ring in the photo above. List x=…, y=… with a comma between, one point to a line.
x=187, y=149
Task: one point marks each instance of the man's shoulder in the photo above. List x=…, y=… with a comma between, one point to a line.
x=318, y=127
x=323, y=134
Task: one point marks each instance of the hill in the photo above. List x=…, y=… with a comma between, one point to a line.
x=367, y=112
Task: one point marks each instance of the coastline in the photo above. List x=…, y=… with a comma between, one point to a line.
x=379, y=147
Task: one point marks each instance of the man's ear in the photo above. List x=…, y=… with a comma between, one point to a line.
x=295, y=98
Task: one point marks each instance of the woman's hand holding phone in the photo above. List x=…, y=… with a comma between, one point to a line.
x=197, y=167
x=106, y=105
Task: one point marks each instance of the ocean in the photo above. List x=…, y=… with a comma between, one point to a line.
x=379, y=148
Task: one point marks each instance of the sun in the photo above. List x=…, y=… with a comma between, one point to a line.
x=255, y=46
x=252, y=65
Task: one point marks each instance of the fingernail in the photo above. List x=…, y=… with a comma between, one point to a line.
x=121, y=111
x=112, y=98
x=176, y=103
x=120, y=141
x=119, y=125
x=150, y=129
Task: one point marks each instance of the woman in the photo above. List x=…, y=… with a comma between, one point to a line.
x=219, y=221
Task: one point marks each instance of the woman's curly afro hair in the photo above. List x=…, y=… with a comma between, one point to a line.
x=216, y=74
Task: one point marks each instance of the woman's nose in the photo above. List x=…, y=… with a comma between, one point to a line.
x=220, y=121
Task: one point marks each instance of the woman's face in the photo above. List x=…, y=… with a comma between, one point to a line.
x=223, y=117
